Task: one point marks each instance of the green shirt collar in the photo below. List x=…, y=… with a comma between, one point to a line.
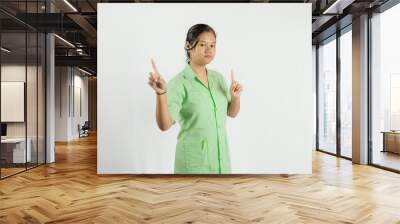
x=189, y=73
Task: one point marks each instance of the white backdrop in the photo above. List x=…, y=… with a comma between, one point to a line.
x=267, y=45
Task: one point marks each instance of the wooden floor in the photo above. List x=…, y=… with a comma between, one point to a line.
x=70, y=191
x=5, y=172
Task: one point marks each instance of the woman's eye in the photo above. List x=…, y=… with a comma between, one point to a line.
x=212, y=46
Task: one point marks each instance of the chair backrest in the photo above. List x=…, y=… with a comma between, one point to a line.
x=86, y=125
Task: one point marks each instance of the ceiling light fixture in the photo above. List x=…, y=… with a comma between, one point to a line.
x=5, y=50
x=84, y=71
x=329, y=9
x=70, y=5
x=64, y=40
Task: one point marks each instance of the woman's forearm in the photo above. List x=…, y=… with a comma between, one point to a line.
x=234, y=107
x=164, y=120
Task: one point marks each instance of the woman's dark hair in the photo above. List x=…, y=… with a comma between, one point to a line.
x=193, y=35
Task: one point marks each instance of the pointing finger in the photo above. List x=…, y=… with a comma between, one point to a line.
x=152, y=76
x=232, y=76
x=153, y=64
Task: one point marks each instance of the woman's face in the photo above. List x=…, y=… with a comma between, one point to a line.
x=204, y=51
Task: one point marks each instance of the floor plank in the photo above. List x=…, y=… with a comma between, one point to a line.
x=70, y=191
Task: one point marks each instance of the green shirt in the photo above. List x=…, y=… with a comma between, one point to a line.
x=201, y=111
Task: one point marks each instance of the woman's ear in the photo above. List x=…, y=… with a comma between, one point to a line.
x=187, y=45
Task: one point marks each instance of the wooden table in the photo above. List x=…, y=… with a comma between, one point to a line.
x=13, y=150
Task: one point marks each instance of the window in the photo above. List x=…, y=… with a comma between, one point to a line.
x=385, y=88
x=327, y=96
x=346, y=94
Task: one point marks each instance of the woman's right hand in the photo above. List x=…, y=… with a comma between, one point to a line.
x=155, y=80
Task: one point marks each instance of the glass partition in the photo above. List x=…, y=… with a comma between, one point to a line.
x=13, y=104
x=22, y=77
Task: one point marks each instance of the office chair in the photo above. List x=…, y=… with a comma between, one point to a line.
x=84, y=130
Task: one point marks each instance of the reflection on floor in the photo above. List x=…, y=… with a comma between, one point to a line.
x=386, y=159
x=11, y=169
x=347, y=152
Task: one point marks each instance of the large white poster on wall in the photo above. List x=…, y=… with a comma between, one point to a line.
x=269, y=48
x=12, y=101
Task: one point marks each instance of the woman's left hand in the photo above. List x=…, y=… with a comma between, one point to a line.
x=236, y=88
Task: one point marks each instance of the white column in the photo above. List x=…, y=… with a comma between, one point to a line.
x=360, y=90
x=50, y=92
x=50, y=110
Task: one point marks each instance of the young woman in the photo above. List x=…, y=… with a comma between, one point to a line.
x=199, y=99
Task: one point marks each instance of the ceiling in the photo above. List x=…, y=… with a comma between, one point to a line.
x=76, y=22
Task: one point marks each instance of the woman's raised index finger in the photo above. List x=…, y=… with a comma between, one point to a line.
x=232, y=76
x=153, y=64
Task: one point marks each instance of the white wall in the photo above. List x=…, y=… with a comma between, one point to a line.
x=80, y=83
x=68, y=80
x=269, y=51
x=314, y=86
x=61, y=103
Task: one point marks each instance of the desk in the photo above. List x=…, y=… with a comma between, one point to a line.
x=15, y=148
x=391, y=141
